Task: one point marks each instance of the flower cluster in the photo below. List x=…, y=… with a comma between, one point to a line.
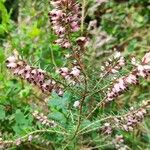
x=4, y=144
x=133, y=119
x=65, y=19
x=122, y=84
x=82, y=42
x=43, y=119
x=107, y=128
x=113, y=65
x=35, y=76
x=119, y=143
x=70, y=75
x=129, y=121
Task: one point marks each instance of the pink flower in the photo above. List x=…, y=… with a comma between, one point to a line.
x=59, y=41
x=146, y=58
x=65, y=69
x=74, y=26
x=66, y=45
x=11, y=59
x=140, y=69
x=18, y=142
x=12, y=65
x=116, y=88
x=70, y=75
x=131, y=79
x=60, y=30
x=121, y=61
x=56, y=14
x=65, y=18
x=75, y=72
x=33, y=75
x=122, y=84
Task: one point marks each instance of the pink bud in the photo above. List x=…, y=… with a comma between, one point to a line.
x=11, y=59
x=75, y=72
x=12, y=65
x=74, y=26
x=66, y=45
x=146, y=58
x=65, y=69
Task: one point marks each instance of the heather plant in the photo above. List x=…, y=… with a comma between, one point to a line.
x=75, y=75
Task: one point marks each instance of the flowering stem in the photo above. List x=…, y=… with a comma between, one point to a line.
x=83, y=97
x=104, y=75
x=34, y=132
x=98, y=121
x=52, y=56
x=81, y=104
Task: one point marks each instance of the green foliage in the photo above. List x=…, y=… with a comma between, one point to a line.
x=2, y=113
x=127, y=22
x=4, y=18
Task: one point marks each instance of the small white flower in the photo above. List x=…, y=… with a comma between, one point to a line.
x=18, y=142
x=30, y=137
x=106, y=64
x=12, y=65
x=67, y=55
x=117, y=55
x=65, y=69
x=107, y=124
x=114, y=71
x=110, y=59
x=121, y=61
x=76, y=104
x=60, y=93
x=102, y=68
x=133, y=61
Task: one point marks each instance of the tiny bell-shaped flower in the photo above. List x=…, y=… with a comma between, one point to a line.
x=76, y=104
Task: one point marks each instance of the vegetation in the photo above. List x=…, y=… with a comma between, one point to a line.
x=74, y=75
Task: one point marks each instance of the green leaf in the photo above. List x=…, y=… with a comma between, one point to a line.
x=35, y=31
x=5, y=18
x=58, y=103
x=85, y=123
x=57, y=116
x=2, y=113
x=132, y=45
x=25, y=92
x=2, y=57
x=19, y=117
x=140, y=19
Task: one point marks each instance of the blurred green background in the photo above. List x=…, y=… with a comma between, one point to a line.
x=25, y=26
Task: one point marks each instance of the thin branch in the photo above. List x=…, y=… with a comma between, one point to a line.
x=52, y=56
x=98, y=105
x=34, y=132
